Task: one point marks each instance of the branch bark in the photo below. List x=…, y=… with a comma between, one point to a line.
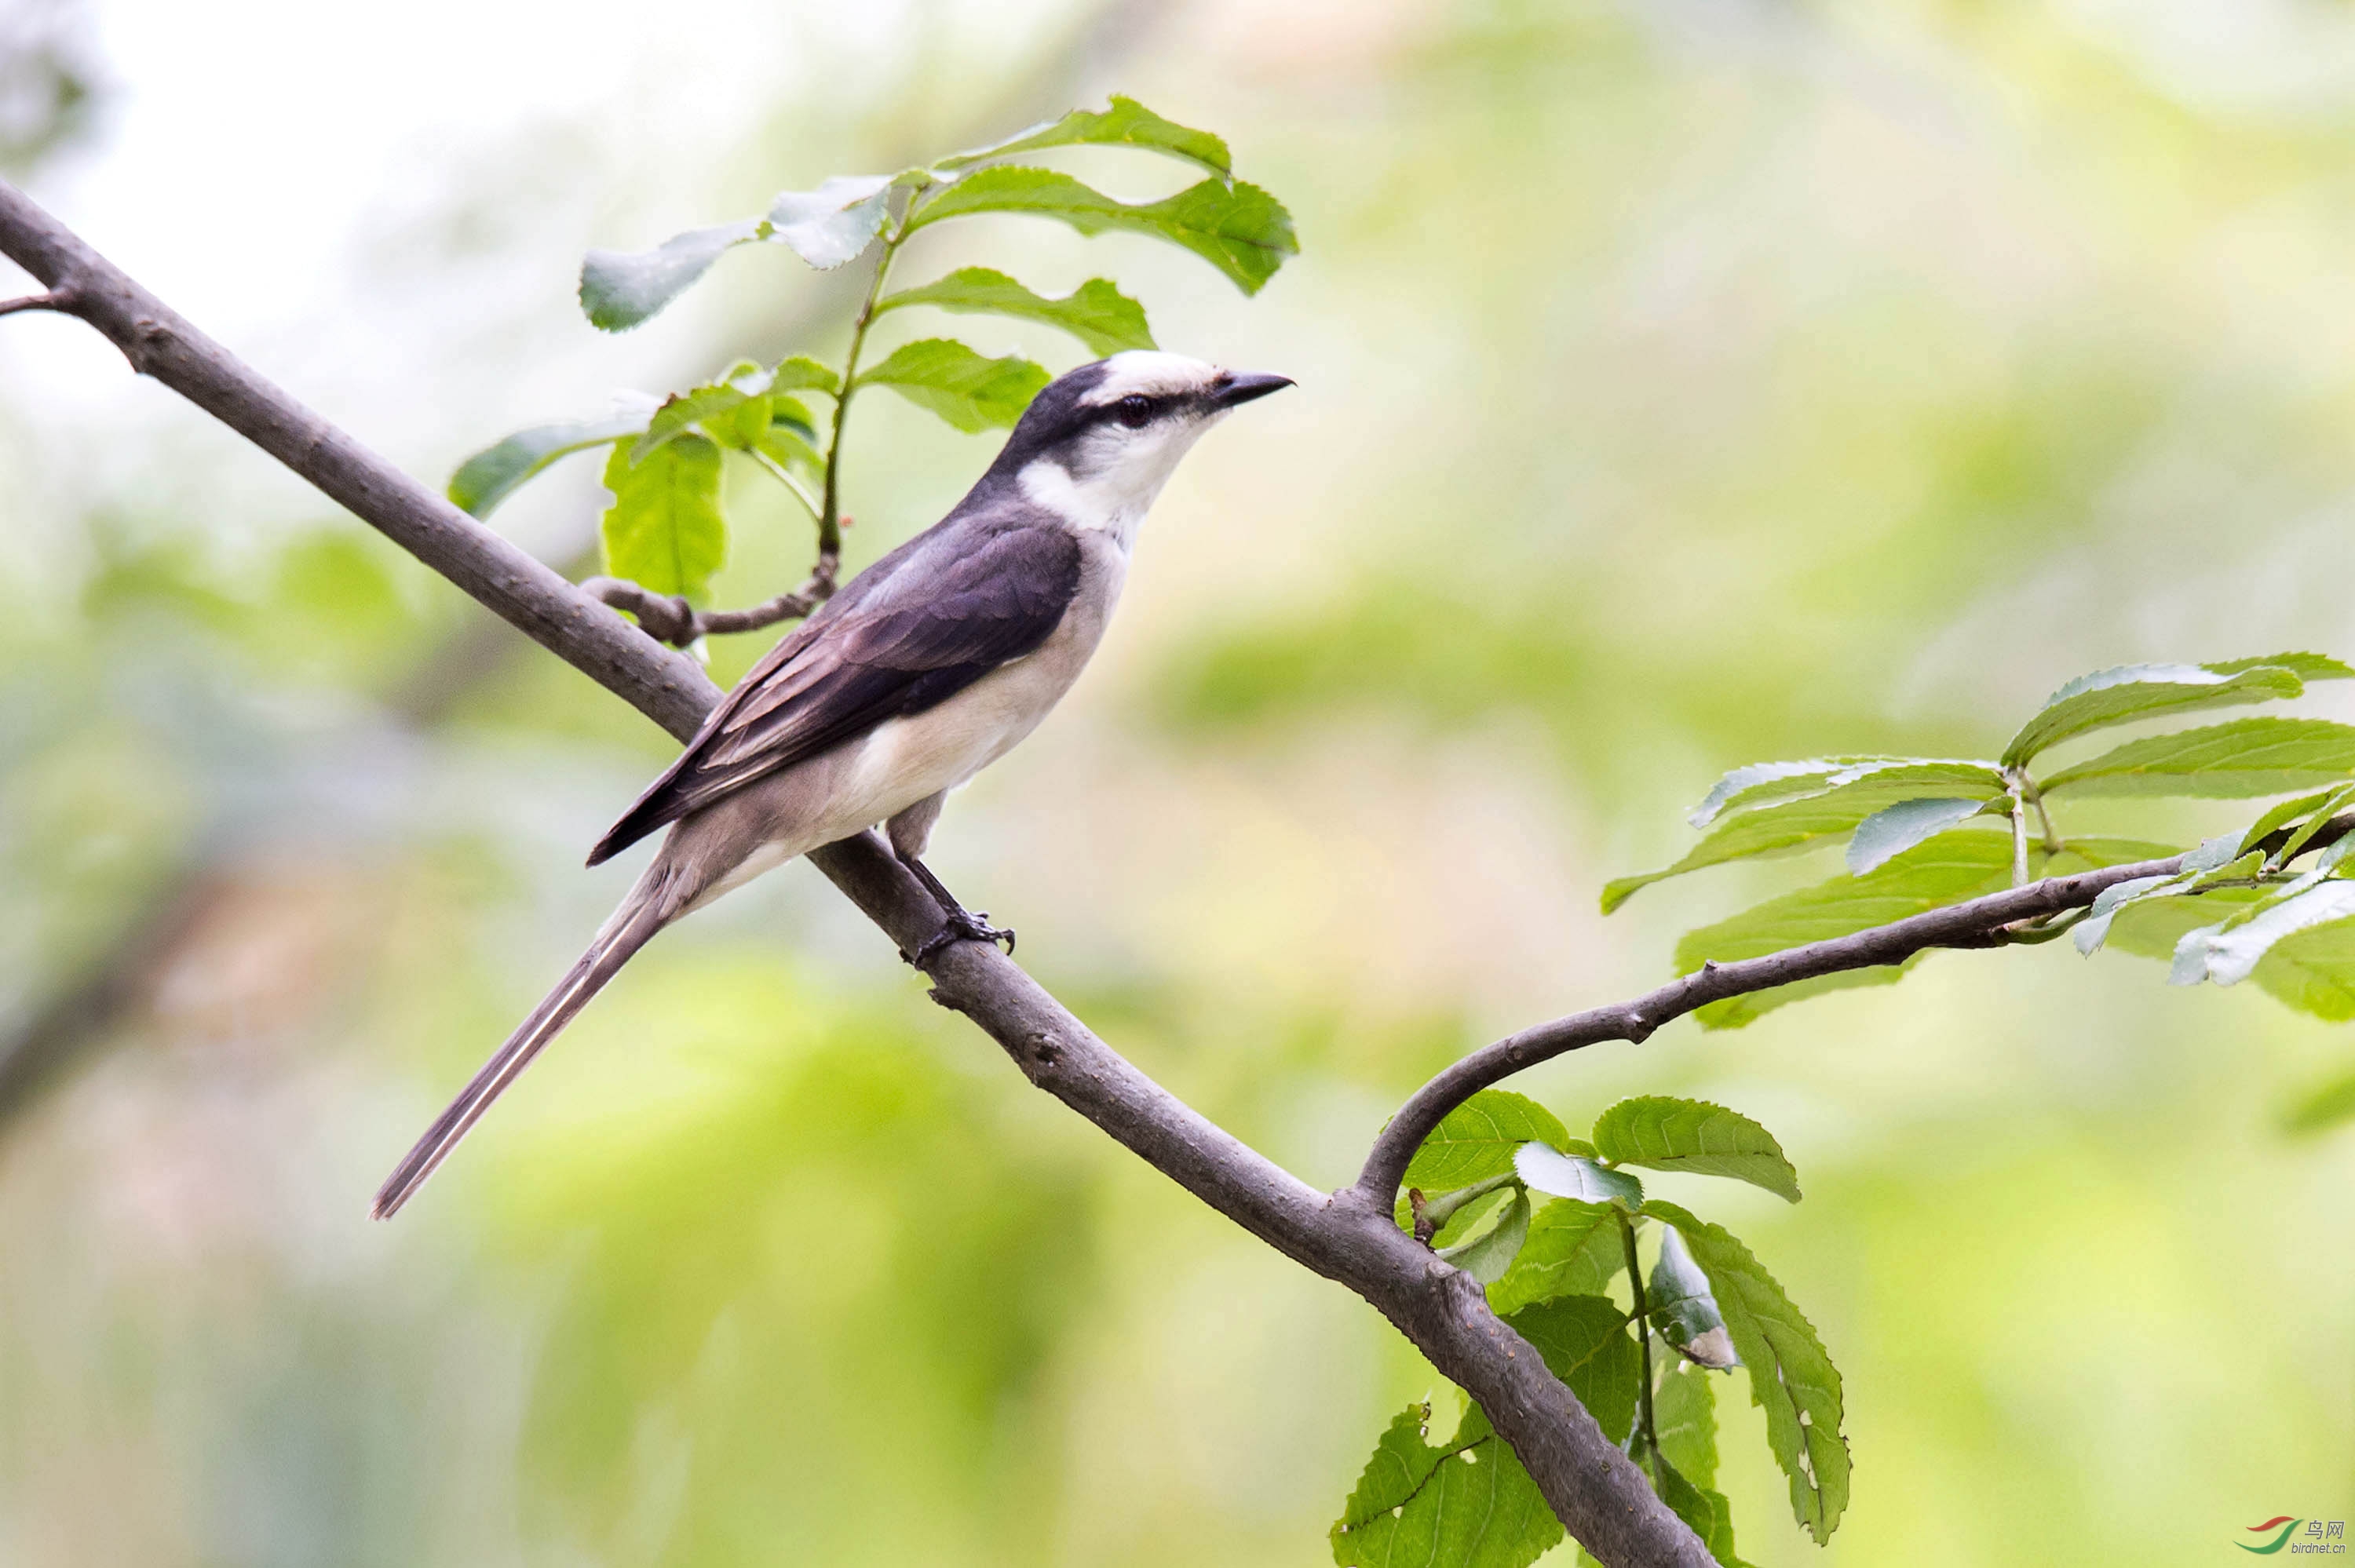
x=1349, y=1235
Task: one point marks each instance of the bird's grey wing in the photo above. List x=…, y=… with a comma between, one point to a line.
x=935, y=622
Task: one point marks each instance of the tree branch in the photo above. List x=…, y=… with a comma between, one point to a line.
x=1597, y=1492
x=668, y=617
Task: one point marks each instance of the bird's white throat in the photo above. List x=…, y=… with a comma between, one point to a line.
x=1116, y=483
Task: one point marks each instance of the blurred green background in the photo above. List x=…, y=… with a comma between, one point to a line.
x=1683, y=382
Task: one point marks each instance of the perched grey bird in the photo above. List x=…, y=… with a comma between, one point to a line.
x=926, y=669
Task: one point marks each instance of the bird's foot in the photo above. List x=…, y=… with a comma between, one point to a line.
x=961, y=926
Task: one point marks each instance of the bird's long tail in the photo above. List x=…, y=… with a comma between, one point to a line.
x=639, y=918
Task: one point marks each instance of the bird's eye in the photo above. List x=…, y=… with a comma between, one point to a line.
x=1135, y=410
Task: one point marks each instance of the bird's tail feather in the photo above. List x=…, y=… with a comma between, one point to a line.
x=636, y=921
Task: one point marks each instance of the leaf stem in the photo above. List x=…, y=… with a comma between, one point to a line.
x=829, y=512
x=2013, y=786
x=1644, y=1428
x=777, y=471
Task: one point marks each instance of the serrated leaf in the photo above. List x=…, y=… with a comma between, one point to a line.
x=1573, y=1249
x=623, y=289
x=2245, y=758
x=1468, y=1503
x=1784, y=814
x=1575, y=1176
x=1790, y=1373
x=1488, y=1256
x=825, y=227
x=1096, y=313
x=1947, y=869
x=1663, y=1133
x=800, y=373
x=1685, y=1310
x=493, y=474
x=2093, y=930
x=664, y=531
x=2305, y=666
x=945, y=377
x=1585, y=1343
x=1127, y=123
x=743, y=390
x=1893, y=830
x=1476, y=1140
x=1759, y=783
x=2133, y=691
x=1684, y=1418
x=1237, y=227
x=2229, y=952
x=831, y=225
x=1708, y=1513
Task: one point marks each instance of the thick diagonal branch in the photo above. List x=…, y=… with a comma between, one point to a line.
x=1596, y=1490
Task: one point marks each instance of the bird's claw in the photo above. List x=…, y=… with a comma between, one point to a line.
x=964, y=926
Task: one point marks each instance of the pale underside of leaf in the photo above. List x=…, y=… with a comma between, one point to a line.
x=1488, y=1256
x=2133, y=691
x=1477, y=1139
x=1127, y=123
x=1893, y=830
x=1685, y=1310
x=1575, y=1176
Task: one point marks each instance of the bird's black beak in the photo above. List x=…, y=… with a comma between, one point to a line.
x=1238, y=390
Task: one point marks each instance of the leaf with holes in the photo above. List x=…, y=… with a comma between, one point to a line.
x=1663, y=1133
x=1096, y=313
x=2133, y=691
x=945, y=376
x=1467, y=1502
x=1127, y=123
x=1792, y=811
x=664, y=531
x=1238, y=227
x=1790, y=1374
x=1573, y=1249
x=493, y=474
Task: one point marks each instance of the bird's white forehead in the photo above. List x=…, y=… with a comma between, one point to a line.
x=1148, y=371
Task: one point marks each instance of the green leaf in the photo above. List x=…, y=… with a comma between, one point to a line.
x=1707, y=1512
x=1096, y=313
x=2320, y=1109
x=950, y=380
x=1585, y=1343
x=1237, y=228
x=1468, y=1503
x=801, y=374
x=1684, y=1309
x=1662, y=1133
x=1759, y=783
x=493, y=474
x=825, y=227
x=2246, y=757
x=2305, y=666
x=1488, y=1256
x=2230, y=951
x=1893, y=830
x=623, y=289
x=1684, y=1418
x=1576, y=1176
x=1573, y=1249
x=1476, y=1140
x=664, y=531
x=2133, y=691
x=1791, y=811
x=1790, y=1374
x=1127, y=123
x=742, y=391
x=787, y=447
x=834, y=223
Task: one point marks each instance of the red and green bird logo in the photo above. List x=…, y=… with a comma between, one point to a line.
x=2281, y=1523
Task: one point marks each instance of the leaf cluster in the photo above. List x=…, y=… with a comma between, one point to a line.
x=1565, y=1238
x=1924, y=832
x=667, y=527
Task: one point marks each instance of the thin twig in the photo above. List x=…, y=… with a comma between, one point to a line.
x=668, y=617
x=60, y=300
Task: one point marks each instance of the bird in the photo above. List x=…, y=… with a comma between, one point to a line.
x=924, y=669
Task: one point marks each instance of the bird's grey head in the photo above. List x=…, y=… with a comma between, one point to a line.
x=1099, y=442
